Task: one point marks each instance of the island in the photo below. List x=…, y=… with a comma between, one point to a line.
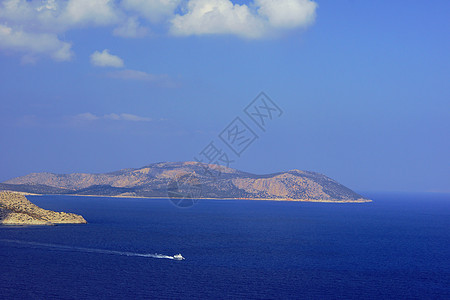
x=16, y=209
x=189, y=180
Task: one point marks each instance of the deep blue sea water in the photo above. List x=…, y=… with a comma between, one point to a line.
x=396, y=247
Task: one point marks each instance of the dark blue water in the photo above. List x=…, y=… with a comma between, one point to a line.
x=396, y=247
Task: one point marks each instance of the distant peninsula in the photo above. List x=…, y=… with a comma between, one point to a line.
x=15, y=209
x=192, y=179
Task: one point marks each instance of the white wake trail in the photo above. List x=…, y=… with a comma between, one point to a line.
x=87, y=250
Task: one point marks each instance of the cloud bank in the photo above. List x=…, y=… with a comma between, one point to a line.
x=36, y=27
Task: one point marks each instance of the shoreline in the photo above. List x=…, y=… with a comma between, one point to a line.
x=250, y=199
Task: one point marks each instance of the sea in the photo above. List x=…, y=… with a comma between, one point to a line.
x=396, y=247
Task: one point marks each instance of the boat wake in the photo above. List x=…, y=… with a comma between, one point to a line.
x=92, y=250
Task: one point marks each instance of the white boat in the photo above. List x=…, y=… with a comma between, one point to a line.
x=178, y=257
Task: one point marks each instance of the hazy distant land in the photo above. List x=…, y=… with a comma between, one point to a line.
x=197, y=180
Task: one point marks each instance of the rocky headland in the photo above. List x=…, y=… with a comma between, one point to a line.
x=15, y=209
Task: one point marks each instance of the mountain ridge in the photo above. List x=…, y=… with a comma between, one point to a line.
x=198, y=180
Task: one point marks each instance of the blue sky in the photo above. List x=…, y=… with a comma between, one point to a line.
x=364, y=86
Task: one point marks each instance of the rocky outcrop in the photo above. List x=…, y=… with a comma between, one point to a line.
x=189, y=178
x=15, y=209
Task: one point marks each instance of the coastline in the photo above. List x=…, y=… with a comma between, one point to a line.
x=252, y=199
x=16, y=209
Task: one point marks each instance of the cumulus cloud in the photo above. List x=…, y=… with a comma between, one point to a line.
x=34, y=44
x=154, y=10
x=287, y=13
x=33, y=27
x=217, y=17
x=260, y=19
x=57, y=16
x=131, y=29
x=105, y=59
x=114, y=117
x=36, y=27
x=85, y=12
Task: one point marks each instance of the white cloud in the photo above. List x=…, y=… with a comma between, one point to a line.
x=85, y=12
x=105, y=59
x=260, y=19
x=217, y=17
x=50, y=4
x=135, y=75
x=131, y=29
x=35, y=27
x=130, y=117
x=59, y=16
x=86, y=117
x=126, y=117
x=154, y=10
x=287, y=13
x=161, y=80
x=34, y=44
x=32, y=27
x=114, y=117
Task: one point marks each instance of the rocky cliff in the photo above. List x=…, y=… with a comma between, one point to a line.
x=189, y=178
x=15, y=209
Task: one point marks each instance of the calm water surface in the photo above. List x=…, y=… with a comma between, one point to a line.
x=396, y=247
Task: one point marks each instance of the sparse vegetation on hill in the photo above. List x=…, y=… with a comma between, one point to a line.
x=15, y=209
x=199, y=180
